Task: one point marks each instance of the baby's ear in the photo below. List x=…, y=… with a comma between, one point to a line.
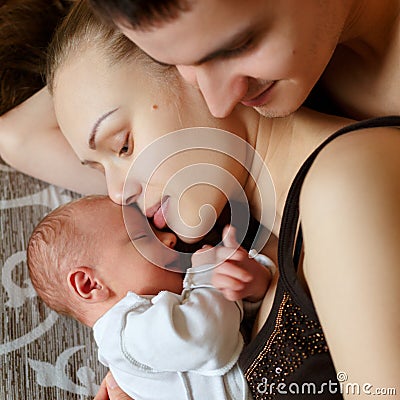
x=82, y=281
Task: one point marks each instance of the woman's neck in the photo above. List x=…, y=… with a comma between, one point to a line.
x=284, y=144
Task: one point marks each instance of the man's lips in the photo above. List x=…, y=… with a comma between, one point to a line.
x=157, y=212
x=260, y=99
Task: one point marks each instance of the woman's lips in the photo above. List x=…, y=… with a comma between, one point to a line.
x=159, y=215
x=260, y=99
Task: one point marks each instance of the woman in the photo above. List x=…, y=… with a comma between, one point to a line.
x=112, y=102
x=345, y=190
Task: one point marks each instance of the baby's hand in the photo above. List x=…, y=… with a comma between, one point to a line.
x=237, y=276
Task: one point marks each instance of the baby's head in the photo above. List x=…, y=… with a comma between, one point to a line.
x=82, y=261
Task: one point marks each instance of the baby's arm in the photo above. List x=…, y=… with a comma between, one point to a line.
x=237, y=275
x=203, y=326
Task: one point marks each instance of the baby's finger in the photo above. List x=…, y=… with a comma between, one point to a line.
x=234, y=271
x=224, y=282
x=229, y=237
x=231, y=254
x=205, y=255
x=232, y=295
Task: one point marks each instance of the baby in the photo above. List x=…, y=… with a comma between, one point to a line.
x=163, y=335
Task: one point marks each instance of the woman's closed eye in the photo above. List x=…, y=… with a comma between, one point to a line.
x=94, y=165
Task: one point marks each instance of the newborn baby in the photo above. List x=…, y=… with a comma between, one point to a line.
x=163, y=335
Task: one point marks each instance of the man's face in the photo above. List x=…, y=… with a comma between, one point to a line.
x=262, y=53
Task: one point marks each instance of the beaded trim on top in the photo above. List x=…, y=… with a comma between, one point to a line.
x=295, y=338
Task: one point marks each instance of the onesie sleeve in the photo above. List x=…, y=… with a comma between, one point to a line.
x=197, y=331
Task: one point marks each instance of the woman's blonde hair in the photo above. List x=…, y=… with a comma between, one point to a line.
x=80, y=30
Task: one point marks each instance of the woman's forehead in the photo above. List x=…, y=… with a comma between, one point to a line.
x=84, y=88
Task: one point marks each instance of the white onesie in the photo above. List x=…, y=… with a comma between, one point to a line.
x=175, y=346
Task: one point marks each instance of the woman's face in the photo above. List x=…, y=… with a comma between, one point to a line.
x=110, y=114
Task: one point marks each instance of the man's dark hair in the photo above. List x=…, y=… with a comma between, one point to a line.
x=140, y=14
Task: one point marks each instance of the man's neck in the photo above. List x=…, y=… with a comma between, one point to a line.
x=369, y=25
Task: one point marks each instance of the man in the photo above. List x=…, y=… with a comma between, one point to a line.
x=269, y=55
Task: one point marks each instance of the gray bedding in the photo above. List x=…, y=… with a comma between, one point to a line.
x=42, y=355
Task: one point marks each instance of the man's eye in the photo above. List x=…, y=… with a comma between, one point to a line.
x=240, y=48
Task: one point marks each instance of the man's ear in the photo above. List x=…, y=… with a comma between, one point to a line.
x=83, y=282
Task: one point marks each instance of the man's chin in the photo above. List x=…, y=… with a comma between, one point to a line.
x=269, y=112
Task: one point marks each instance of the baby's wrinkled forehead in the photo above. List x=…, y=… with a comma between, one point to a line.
x=102, y=212
x=93, y=204
x=94, y=210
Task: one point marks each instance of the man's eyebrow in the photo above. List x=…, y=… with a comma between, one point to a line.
x=92, y=136
x=222, y=51
x=225, y=47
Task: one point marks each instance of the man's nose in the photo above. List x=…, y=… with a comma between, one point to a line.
x=188, y=73
x=221, y=87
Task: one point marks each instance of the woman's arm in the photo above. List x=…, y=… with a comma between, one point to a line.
x=31, y=141
x=109, y=390
x=350, y=213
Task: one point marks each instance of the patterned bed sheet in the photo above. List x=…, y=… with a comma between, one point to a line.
x=42, y=355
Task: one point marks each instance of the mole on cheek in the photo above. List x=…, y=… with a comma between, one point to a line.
x=155, y=107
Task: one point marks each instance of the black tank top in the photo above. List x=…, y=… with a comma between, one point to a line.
x=289, y=358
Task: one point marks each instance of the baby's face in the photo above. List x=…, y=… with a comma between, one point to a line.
x=121, y=264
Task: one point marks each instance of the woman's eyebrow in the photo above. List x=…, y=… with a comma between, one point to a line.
x=92, y=136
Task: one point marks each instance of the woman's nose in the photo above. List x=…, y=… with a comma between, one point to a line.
x=122, y=191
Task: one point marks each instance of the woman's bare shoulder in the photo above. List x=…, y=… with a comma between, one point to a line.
x=353, y=160
x=353, y=181
x=349, y=210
